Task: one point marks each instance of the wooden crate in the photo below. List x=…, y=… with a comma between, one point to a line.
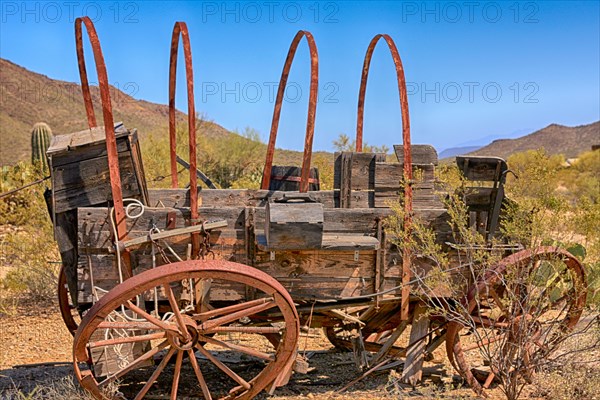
x=79, y=168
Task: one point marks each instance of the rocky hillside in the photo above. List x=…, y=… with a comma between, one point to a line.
x=555, y=139
x=28, y=97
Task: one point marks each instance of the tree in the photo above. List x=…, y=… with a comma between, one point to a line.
x=343, y=143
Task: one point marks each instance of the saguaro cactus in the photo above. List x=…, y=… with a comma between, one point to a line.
x=41, y=134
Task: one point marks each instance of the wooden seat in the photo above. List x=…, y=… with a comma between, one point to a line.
x=484, y=201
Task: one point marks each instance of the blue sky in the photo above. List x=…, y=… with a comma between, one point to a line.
x=474, y=69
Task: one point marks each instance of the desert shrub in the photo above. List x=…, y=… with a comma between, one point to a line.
x=230, y=161
x=33, y=261
x=343, y=143
x=540, y=215
x=26, y=239
x=26, y=206
x=557, y=205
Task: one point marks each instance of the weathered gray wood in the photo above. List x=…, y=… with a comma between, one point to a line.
x=390, y=175
x=425, y=196
x=65, y=234
x=228, y=197
x=333, y=242
x=413, y=365
x=420, y=154
x=80, y=175
x=66, y=145
x=95, y=231
x=87, y=173
x=151, y=237
x=355, y=172
x=294, y=225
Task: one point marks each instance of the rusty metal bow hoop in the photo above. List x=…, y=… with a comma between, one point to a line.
x=405, y=141
x=109, y=127
x=180, y=29
x=312, y=109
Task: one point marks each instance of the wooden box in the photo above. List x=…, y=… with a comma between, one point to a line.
x=79, y=168
x=294, y=223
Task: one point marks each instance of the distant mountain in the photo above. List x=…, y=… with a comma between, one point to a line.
x=554, y=139
x=27, y=97
x=457, y=151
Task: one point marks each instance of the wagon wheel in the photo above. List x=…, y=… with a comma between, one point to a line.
x=520, y=311
x=125, y=338
x=67, y=311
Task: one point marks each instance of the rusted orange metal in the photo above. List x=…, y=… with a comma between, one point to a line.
x=109, y=126
x=312, y=109
x=180, y=28
x=406, y=274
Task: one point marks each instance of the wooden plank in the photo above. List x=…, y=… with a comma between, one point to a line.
x=96, y=192
x=415, y=354
x=228, y=197
x=74, y=147
x=333, y=242
x=337, y=171
x=88, y=173
x=423, y=198
x=321, y=263
x=390, y=175
x=420, y=154
x=65, y=234
x=362, y=170
x=346, y=180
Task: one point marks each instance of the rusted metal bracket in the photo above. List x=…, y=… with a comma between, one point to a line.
x=406, y=274
x=312, y=109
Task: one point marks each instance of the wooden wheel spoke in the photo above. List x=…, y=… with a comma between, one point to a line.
x=236, y=347
x=130, y=325
x=223, y=367
x=134, y=364
x=155, y=374
x=245, y=329
x=230, y=309
x=199, y=375
x=126, y=339
x=153, y=320
x=121, y=334
x=213, y=323
x=176, y=311
x=176, y=375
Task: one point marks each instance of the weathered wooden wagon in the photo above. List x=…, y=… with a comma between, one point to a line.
x=160, y=287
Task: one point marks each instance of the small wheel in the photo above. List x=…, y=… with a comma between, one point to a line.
x=135, y=333
x=520, y=311
x=69, y=313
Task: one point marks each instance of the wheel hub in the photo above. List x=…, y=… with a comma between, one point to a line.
x=179, y=341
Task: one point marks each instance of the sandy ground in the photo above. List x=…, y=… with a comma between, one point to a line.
x=35, y=350
x=36, y=335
